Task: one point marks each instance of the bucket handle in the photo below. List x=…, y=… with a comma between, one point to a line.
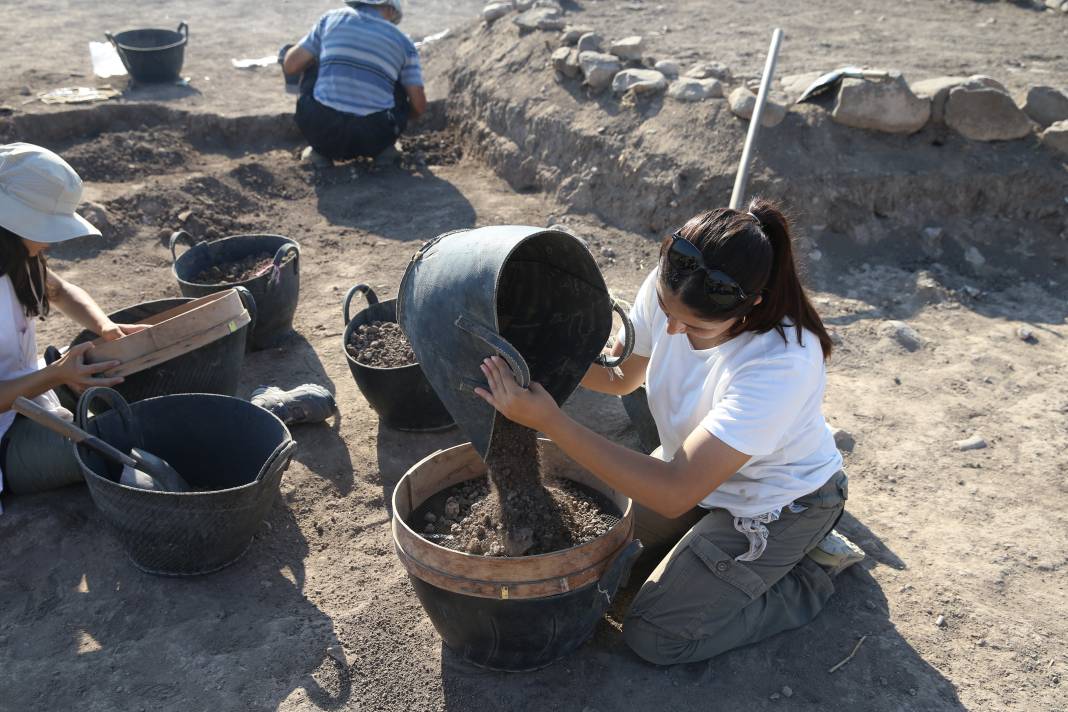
x=628, y=339
x=616, y=573
x=117, y=403
x=183, y=29
x=175, y=237
x=498, y=343
x=276, y=267
x=368, y=294
x=118, y=51
x=250, y=306
x=280, y=458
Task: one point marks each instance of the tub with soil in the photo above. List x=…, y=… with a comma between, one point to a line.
x=571, y=540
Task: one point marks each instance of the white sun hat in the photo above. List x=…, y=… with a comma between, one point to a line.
x=39, y=193
x=398, y=11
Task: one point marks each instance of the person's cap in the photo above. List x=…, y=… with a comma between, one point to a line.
x=398, y=11
x=39, y=193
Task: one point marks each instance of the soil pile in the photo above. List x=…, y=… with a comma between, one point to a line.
x=381, y=344
x=241, y=270
x=511, y=512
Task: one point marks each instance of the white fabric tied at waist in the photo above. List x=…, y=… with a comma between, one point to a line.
x=756, y=531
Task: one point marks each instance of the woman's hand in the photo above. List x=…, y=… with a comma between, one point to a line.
x=112, y=331
x=532, y=407
x=72, y=370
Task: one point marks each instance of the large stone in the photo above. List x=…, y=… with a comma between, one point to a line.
x=540, y=18
x=628, y=48
x=689, y=89
x=1046, y=105
x=639, y=81
x=565, y=61
x=707, y=70
x=495, y=11
x=668, y=67
x=743, y=104
x=937, y=90
x=570, y=35
x=590, y=42
x=1056, y=137
x=886, y=104
x=984, y=114
x=598, y=68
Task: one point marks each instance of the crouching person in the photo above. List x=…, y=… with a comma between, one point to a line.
x=362, y=82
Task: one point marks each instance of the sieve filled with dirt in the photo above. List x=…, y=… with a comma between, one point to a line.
x=384, y=366
x=512, y=612
x=267, y=265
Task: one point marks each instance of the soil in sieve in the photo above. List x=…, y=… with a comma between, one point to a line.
x=381, y=344
x=512, y=512
x=241, y=270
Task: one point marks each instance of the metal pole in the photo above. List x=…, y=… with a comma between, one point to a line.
x=742, y=179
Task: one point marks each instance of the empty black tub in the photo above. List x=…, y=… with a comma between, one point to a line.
x=229, y=447
x=152, y=55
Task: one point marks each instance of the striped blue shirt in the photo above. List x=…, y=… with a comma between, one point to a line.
x=361, y=56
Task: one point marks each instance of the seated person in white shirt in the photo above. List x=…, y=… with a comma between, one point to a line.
x=39, y=193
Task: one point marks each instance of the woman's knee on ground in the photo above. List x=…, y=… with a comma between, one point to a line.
x=656, y=646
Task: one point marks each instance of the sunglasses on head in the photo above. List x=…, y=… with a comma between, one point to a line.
x=684, y=257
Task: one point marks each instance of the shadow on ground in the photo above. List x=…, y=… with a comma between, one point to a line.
x=886, y=673
x=250, y=637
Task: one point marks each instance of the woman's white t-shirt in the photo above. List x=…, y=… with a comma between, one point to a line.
x=18, y=354
x=757, y=393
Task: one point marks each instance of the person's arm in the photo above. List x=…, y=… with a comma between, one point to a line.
x=604, y=380
x=670, y=489
x=71, y=370
x=297, y=59
x=417, y=101
x=76, y=303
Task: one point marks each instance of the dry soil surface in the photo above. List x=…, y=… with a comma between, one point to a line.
x=961, y=604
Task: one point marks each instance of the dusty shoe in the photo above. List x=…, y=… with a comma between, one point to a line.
x=389, y=157
x=310, y=403
x=836, y=553
x=310, y=155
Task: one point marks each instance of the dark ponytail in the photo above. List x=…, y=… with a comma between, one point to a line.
x=755, y=249
x=26, y=273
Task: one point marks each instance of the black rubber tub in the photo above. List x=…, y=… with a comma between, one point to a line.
x=401, y=395
x=152, y=55
x=215, y=368
x=276, y=292
x=232, y=451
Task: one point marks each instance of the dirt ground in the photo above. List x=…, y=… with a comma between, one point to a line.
x=978, y=538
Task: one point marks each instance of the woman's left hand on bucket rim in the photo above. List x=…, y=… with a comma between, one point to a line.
x=532, y=407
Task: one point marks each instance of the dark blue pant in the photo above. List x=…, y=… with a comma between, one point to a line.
x=339, y=135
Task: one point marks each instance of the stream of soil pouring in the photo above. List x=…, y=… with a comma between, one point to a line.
x=381, y=344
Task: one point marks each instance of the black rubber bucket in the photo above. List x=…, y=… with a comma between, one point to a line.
x=152, y=56
x=637, y=406
x=276, y=292
x=231, y=450
x=401, y=396
x=215, y=368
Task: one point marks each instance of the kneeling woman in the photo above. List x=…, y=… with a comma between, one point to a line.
x=749, y=484
x=39, y=192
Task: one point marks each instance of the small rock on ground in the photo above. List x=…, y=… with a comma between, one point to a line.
x=689, y=89
x=843, y=439
x=903, y=334
x=628, y=48
x=639, y=81
x=1046, y=105
x=570, y=35
x=743, y=104
x=565, y=61
x=1056, y=136
x=668, y=67
x=707, y=70
x=598, y=68
x=495, y=11
x=981, y=113
x=975, y=442
x=886, y=105
x=1026, y=335
x=590, y=42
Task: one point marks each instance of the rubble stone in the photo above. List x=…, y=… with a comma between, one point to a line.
x=709, y=70
x=743, y=104
x=886, y=105
x=495, y=11
x=628, y=48
x=598, y=68
x=985, y=114
x=540, y=18
x=570, y=35
x=565, y=61
x=590, y=42
x=668, y=67
x=1056, y=136
x=689, y=89
x=639, y=81
x=1046, y=105
x=937, y=90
